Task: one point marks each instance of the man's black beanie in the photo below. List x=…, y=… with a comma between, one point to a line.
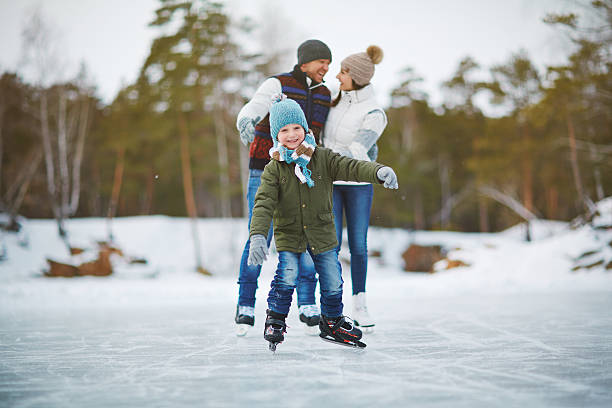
x=311, y=50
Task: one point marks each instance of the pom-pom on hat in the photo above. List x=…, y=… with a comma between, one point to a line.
x=360, y=66
x=284, y=112
x=311, y=50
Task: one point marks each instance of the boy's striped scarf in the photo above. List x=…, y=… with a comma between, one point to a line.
x=300, y=156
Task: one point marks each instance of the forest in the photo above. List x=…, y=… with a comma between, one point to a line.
x=167, y=144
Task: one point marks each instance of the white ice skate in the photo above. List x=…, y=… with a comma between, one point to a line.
x=310, y=315
x=361, y=316
x=245, y=319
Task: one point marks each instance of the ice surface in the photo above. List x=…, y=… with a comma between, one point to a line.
x=515, y=329
x=516, y=350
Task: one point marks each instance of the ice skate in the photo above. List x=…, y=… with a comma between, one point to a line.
x=310, y=316
x=245, y=319
x=361, y=317
x=340, y=330
x=275, y=329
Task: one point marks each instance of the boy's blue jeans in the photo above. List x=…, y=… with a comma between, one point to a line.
x=330, y=281
x=247, y=280
x=356, y=202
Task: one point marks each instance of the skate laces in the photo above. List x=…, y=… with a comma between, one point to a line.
x=340, y=322
x=246, y=311
x=310, y=310
x=348, y=321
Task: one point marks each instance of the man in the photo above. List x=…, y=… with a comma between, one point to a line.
x=304, y=85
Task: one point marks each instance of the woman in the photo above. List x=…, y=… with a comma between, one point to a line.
x=354, y=124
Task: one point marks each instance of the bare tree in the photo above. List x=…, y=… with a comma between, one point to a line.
x=39, y=55
x=63, y=114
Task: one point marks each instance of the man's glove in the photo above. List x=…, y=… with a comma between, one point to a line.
x=247, y=129
x=258, y=250
x=388, y=177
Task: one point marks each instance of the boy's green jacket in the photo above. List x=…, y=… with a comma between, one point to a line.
x=303, y=215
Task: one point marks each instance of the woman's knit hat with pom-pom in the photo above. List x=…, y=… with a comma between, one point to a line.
x=360, y=66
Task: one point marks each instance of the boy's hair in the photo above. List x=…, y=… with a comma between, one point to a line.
x=285, y=112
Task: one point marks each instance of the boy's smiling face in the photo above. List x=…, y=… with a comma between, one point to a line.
x=291, y=136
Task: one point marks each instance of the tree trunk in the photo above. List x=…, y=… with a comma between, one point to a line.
x=552, y=203
x=508, y=201
x=419, y=214
x=445, y=190
x=50, y=168
x=574, y=161
x=62, y=150
x=223, y=161
x=599, y=190
x=18, y=190
x=511, y=203
x=78, y=156
x=1, y=145
x=117, y=180
x=148, y=202
x=483, y=215
x=527, y=173
x=188, y=189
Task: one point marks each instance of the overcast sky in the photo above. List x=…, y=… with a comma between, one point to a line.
x=432, y=36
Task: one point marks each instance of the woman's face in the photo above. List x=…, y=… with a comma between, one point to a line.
x=346, y=82
x=291, y=136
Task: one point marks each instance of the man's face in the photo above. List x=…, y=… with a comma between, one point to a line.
x=316, y=69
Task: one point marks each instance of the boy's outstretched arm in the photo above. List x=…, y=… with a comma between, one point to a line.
x=347, y=169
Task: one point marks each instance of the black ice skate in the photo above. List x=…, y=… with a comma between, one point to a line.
x=275, y=329
x=340, y=330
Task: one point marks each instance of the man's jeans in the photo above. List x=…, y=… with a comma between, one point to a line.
x=307, y=281
x=330, y=281
x=356, y=202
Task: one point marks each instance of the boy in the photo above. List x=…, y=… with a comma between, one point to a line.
x=296, y=192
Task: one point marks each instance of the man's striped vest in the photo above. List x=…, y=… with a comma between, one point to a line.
x=315, y=103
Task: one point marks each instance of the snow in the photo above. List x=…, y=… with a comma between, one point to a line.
x=514, y=328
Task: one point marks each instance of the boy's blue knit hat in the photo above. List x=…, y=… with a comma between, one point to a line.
x=284, y=112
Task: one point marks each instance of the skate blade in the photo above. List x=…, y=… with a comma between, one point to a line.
x=242, y=329
x=272, y=346
x=357, y=344
x=312, y=330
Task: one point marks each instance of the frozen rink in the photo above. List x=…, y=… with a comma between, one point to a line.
x=516, y=328
x=511, y=350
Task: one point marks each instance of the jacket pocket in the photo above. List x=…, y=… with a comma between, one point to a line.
x=327, y=217
x=283, y=222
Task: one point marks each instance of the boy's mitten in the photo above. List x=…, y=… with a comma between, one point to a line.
x=388, y=177
x=258, y=250
x=247, y=129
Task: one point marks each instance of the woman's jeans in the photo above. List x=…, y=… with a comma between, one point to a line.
x=307, y=281
x=356, y=203
x=330, y=281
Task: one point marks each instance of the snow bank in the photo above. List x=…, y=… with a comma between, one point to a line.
x=498, y=262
